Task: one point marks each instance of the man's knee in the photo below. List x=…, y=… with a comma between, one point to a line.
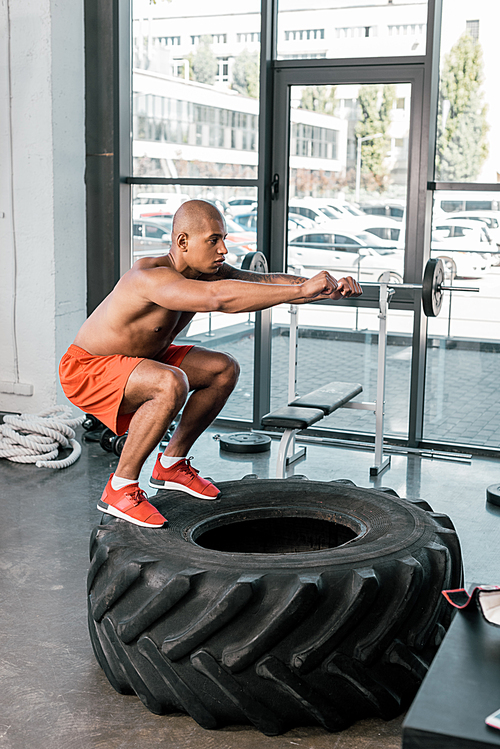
x=174, y=383
x=231, y=368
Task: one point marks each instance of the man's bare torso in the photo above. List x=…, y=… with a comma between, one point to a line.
x=128, y=322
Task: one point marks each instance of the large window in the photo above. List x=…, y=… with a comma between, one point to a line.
x=195, y=89
x=468, y=123
x=461, y=399
x=371, y=124
x=341, y=29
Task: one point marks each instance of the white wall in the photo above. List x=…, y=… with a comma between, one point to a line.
x=42, y=196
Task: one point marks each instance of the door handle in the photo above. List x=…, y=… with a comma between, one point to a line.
x=275, y=187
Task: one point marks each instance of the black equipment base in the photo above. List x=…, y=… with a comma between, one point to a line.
x=461, y=688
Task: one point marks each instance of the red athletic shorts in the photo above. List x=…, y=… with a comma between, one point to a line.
x=95, y=384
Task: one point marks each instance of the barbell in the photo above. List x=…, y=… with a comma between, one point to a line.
x=432, y=287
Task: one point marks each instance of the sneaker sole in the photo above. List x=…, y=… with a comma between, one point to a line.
x=157, y=484
x=109, y=510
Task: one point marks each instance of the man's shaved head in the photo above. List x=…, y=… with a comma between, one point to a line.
x=193, y=218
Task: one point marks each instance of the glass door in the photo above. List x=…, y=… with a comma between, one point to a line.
x=343, y=157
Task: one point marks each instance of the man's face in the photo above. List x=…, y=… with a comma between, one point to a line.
x=206, y=249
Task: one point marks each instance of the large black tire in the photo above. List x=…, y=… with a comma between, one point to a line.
x=283, y=603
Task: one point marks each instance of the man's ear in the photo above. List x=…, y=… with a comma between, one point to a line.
x=182, y=241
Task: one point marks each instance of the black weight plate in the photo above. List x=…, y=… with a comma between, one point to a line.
x=245, y=442
x=91, y=423
x=93, y=436
x=118, y=444
x=106, y=440
x=493, y=494
x=256, y=262
x=432, y=296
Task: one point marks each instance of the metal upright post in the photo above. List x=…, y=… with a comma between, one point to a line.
x=380, y=463
x=292, y=353
x=292, y=369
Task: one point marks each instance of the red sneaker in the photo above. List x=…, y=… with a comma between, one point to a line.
x=130, y=503
x=182, y=477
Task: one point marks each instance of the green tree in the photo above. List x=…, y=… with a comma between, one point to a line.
x=246, y=74
x=376, y=107
x=205, y=64
x=319, y=99
x=462, y=144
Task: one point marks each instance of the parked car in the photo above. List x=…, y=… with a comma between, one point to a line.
x=150, y=237
x=241, y=205
x=237, y=239
x=491, y=219
x=149, y=204
x=295, y=221
x=451, y=201
x=464, y=247
x=339, y=208
x=393, y=209
x=362, y=255
x=309, y=208
x=388, y=230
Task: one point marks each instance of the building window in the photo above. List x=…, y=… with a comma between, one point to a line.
x=223, y=71
x=400, y=103
x=300, y=35
x=314, y=142
x=158, y=118
x=351, y=32
x=407, y=29
x=250, y=36
x=472, y=28
x=170, y=41
x=216, y=38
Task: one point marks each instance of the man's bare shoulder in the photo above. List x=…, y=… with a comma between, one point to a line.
x=150, y=270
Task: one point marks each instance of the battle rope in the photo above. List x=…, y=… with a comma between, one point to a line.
x=37, y=438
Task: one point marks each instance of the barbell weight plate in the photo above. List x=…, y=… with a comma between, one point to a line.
x=255, y=261
x=245, y=442
x=432, y=295
x=106, y=440
x=493, y=494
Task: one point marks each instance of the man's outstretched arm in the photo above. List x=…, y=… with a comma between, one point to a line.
x=228, y=271
x=346, y=287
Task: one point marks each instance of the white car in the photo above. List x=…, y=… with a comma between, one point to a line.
x=395, y=209
x=361, y=255
x=312, y=209
x=334, y=208
x=464, y=247
x=241, y=205
x=388, y=230
x=491, y=219
x=153, y=205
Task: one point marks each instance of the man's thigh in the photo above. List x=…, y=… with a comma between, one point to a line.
x=202, y=365
x=145, y=381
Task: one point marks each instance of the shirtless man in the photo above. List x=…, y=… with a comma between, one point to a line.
x=124, y=369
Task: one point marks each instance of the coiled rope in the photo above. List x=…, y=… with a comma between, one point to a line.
x=37, y=438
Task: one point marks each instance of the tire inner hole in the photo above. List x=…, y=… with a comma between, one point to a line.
x=276, y=535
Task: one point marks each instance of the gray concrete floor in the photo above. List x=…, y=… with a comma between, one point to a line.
x=53, y=694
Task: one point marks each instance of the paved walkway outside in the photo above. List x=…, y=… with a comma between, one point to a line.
x=463, y=397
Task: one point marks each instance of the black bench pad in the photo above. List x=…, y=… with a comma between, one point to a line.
x=292, y=417
x=329, y=397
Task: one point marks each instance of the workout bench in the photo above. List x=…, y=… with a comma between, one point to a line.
x=303, y=412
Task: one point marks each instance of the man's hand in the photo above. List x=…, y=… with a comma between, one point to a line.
x=347, y=287
x=325, y=286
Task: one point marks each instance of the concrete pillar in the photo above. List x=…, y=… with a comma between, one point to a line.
x=42, y=196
